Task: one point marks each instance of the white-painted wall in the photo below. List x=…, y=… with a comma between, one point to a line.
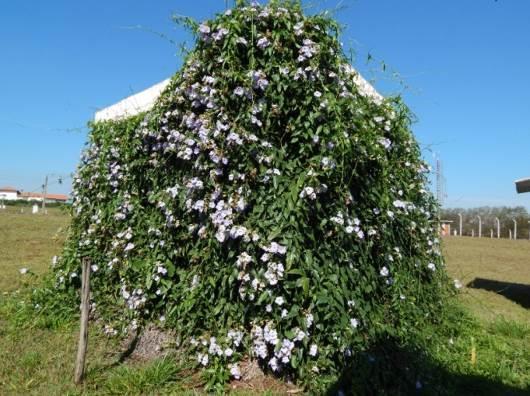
x=8, y=196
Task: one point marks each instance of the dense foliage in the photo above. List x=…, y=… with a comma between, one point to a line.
x=270, y=205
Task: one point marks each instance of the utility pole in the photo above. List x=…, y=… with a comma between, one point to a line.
x=44, y=193
x=45, y=187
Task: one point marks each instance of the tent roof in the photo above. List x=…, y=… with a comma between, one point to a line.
x=144, y=100
x=132, y=105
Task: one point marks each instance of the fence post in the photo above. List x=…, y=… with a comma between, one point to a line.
x=498, y=227
x=83, y=330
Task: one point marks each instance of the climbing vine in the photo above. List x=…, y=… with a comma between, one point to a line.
x=270, y=206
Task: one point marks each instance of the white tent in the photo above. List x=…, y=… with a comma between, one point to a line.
x=144, y=100
x=132, y=105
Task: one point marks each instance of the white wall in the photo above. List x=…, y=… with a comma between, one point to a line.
x=32, y=199
x=8, y=196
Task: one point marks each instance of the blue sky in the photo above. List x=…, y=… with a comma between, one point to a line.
x=461, y=65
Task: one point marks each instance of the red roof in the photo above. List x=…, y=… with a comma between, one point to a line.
x=55, y=197
x=8, y=189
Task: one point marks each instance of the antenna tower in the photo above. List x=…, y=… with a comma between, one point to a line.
x=440, y=182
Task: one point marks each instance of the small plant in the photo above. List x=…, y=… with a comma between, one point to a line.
x=269, y=206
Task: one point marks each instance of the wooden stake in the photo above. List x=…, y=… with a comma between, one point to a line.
x=83, y=331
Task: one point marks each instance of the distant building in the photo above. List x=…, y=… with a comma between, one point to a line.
x=37, y=197
x=9, y=193
x=445, y=227
x=12, y=194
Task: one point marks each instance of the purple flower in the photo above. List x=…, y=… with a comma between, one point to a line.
x=204, y=29
x=263, y=43
x=220, y=34
x=259, y=80
x=239, y=91
x=386, y=143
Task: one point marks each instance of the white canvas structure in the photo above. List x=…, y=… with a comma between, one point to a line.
x=145, y=100
x=132, y=105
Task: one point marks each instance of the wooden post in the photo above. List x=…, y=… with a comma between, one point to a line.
x=83, y=331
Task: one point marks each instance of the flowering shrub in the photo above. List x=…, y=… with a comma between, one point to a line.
x=268, y=207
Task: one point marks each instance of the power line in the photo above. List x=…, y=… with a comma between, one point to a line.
x=44, y=128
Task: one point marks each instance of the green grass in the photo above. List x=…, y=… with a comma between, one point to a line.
x=28, y=241
x=483, y=349
x=504, y=261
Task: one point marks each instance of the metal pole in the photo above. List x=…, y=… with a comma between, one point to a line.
x=44, y=193
x=479, y=226
x=514, y=229
x=460, y=216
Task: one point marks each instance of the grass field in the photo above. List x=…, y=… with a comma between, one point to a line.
x=27, y=241
x=490, y=356
x=499, y=265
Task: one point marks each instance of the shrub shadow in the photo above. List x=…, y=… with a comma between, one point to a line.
x=390, y=369
x=517, y=292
